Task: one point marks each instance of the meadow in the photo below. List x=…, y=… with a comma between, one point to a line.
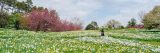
x=87, y=41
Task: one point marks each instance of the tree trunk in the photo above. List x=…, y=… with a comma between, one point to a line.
x=38, y=27
x=2, y=6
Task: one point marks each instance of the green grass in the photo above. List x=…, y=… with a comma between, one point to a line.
x=19, y=41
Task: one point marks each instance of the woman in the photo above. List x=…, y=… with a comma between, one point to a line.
x=102, y=32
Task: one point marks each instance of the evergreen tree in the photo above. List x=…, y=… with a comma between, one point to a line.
x=92, y=26
x=132, y=23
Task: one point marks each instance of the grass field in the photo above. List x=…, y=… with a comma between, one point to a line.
x=114, y=41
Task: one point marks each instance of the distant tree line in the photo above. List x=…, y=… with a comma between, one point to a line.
x=149, y=21
x=23, y=15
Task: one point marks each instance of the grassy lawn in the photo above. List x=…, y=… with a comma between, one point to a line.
x=115, y=41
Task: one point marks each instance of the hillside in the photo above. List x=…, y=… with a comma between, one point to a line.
x=121, y=41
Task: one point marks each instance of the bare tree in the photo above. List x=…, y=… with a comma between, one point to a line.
x=141, y=15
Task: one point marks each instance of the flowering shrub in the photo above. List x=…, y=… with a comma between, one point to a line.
x=45, y=20
x=137, y=26
x=67, y=26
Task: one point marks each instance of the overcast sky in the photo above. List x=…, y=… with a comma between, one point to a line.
x=99, y=10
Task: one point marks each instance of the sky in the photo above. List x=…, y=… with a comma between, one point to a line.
x=100, y=11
